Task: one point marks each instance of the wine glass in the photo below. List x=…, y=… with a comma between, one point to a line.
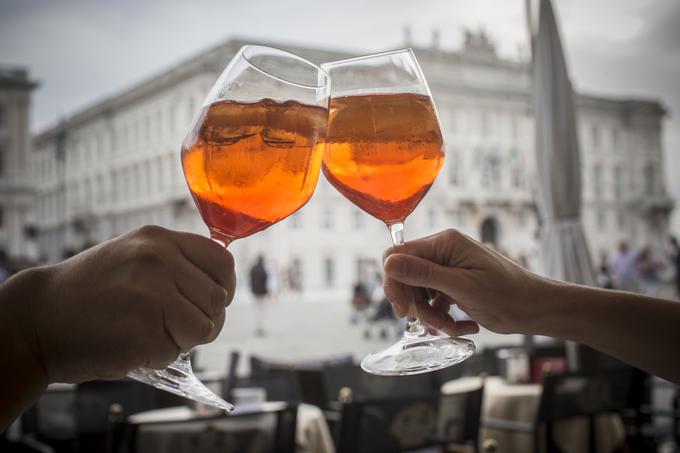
x=252, y=157
x=384, y=149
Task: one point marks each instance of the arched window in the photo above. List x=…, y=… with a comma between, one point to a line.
x=489, y=231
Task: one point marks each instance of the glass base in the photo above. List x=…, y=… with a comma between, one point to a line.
x=180, y=382
x=418, y=354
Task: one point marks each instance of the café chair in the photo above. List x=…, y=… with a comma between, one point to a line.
x=93, y=402
x=567, y=397
x=369, y=386
x=458, y=421
x=51, y=420
x=267, y=427
x=388, y=425
x=280, y=385
x=308, y=375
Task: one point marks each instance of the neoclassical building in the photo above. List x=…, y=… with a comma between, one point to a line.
x=115, y=165
x=16, y=184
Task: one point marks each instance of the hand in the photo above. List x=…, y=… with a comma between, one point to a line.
x=135, y=301
x=490, y=288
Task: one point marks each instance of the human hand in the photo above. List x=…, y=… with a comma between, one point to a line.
x=134, y=301
x=491, y=289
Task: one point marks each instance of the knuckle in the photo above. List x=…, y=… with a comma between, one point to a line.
x=150, y=230
x=146, y=255
x=388, y=252
x=217, y=300
x=204, y=329
x=451, y=234
x=425, y=273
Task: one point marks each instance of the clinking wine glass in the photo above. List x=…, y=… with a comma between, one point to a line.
x=384, y=149
x=252, y=157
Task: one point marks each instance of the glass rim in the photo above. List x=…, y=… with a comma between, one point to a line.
x=246, y=49
x=407, y=50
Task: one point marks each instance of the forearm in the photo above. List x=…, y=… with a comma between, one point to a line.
x=639, y=330
x=24, y=379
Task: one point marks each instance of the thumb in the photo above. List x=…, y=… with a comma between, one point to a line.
x=415, y=271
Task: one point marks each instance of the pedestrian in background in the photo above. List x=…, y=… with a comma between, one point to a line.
x=258, y=286
x=675, y=261
x=623, y=268
x=648, y=271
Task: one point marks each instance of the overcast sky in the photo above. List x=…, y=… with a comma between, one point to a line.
x=83, y=50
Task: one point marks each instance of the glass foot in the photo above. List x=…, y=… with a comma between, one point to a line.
x=419, y=354
x=180, y=382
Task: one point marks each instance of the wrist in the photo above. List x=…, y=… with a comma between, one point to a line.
x=20, y=299
x=551, y=311
x=26, y=379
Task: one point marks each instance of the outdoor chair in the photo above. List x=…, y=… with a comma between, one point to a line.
x=571, y=396
x=94, y=401
x=388, y=425
x=268, y=428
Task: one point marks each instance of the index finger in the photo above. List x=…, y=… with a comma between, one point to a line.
x=208, y=256
x=448, y=247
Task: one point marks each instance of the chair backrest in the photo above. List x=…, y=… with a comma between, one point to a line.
x=279, y=385
x=366, y=386
x=231, y=377
x=459, y=417
x=267, y=430
x=52, y=418
x=308, y=374
x=388, y=425
x=93, y=400
x=570, y=395
x=92, y=408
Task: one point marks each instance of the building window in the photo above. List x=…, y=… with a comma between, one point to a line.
x=327, y=218
x=601, y=218
x=485, y=126
x=159, y=174
x=295, y=274
x=621, y=219
x=514, y=126
x=358, y=219
x=329, y=271
x=595, y=136
x=597, y=181
x=616, y=139
x=618, y=182
x=454, y=166
x=491, y=178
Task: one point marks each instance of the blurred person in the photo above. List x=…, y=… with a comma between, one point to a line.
x=502, y=297
x=134, y=301
x=623, y=268
x=604, y=275
x=259, y=287
x=675, y=261
x=360, y=301
x=647, y=269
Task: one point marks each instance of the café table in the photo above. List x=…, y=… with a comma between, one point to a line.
x=312, y=433
x=519, y=402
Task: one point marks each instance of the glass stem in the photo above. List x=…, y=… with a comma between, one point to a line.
x=413, y=326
